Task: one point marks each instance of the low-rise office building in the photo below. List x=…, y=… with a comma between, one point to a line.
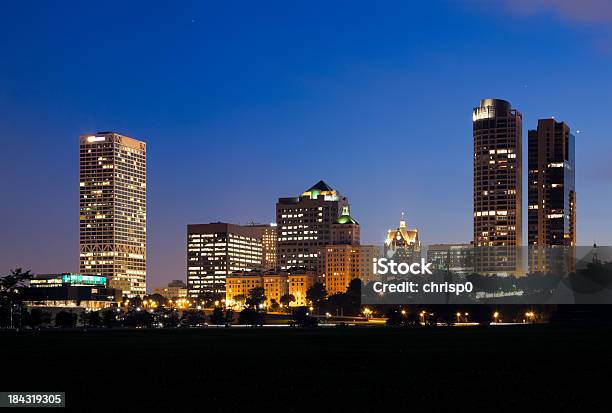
x=276, y=284
x=70, y=290
x=176, y=289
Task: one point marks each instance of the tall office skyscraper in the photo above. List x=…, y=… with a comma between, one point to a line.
x=113, y=210
x=268, y=237
x=551, y=190
x=304, y=225
x=217, y=250
x=497, y=130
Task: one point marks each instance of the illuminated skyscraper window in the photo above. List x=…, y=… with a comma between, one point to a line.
x=113, y=210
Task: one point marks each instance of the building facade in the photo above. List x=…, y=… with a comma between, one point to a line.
x=113, y=210
x=456, y=258
x=402, y=244
x=551, y=206
x=217, y=250
x=239, y=284
x=304, y=225
x=345, y=231
x=299, y=283
x=176, y=289
x=68, y=290
x=344, y=263
x=268, y=235
x=345, y=258
x=276, y=284
x=497, y=192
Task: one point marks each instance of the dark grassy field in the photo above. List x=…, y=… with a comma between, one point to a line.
x=501, y=368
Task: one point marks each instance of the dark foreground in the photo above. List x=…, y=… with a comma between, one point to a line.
x=497, y=368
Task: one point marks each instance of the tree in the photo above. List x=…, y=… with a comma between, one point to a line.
x=166, y=317
x=208, y=298
x=482, y=314
x=138, y=318
x=229, y=317
x=302, y=318
x=251, y=316
x=395, y=318
x=274, y=306
x=287, y=299
x=172, y=319
x=412, y=320
x=134, y=302
x=36, y=317
x=11, y=299
x=240, y=299
x=158, y=299
x=217, y=317
x=316, y=294
x=109, y=317
x=336, y=303
x=256, y=297
x=353, y=297
x=92, y=319
x=65, y=319
x=193, y=318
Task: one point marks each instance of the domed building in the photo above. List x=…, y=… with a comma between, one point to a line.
x=402, y=244
x=345, y=231
x=345, y=258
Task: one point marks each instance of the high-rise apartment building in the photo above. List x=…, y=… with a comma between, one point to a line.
x=551, y=209
x=217, y=250
x=304, y=225
x=551, y=191
x=113, y=210
x=497, y=132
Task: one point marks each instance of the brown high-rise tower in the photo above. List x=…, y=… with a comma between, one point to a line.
x=304, y=225
x=551, y=191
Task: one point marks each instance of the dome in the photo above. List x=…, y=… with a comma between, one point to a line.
x=346, y=218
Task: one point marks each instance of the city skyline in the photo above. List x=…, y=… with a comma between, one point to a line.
x=320, y=188
x=364, y=106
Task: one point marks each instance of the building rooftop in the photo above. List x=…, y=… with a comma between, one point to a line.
x=320, y=186
x=346, y=218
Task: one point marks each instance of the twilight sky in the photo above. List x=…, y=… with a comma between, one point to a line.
x=242, y=102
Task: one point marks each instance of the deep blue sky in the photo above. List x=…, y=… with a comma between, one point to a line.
x=241, y=102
